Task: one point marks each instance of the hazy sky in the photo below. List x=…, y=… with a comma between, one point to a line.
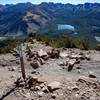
x=39, y=1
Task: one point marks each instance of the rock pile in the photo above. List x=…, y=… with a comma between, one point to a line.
x=39, y=57
x=84, y=88
x=54, y=53
x=73, y=59
x=39, y=86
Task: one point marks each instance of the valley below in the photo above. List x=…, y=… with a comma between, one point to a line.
x=52, y=19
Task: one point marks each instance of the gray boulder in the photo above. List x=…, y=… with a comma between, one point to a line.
x=35, y=64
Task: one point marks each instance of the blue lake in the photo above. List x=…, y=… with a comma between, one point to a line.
x=97, y=39
x=62, y=28
x=66, y=27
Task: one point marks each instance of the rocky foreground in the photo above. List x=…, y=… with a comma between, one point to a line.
x=52, y=74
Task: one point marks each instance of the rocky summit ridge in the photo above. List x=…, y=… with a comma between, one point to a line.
x=51, y=73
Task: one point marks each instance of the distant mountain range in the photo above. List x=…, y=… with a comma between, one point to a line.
x=25, y=18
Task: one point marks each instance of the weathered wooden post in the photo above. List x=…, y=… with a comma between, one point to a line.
x=22, y=60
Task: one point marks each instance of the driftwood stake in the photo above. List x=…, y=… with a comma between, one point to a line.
x=22, y=61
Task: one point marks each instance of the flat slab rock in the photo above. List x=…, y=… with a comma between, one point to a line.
x=42, y=53
x=54, y=86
